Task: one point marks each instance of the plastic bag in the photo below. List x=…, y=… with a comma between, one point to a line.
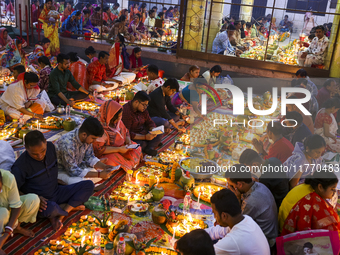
x=43, y=96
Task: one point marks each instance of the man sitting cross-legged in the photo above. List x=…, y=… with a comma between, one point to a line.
x=36, y=171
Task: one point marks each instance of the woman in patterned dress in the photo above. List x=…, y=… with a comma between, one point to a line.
x=313, y=210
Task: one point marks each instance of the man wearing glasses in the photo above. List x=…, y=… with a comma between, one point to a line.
x=137, y=120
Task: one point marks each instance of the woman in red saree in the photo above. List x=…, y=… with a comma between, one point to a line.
x=136, y=64
x=313, y=211
x=115, y=66
x=50, y=26
x=113, y=144
x=78, y=70
x=67, y=12
x=4, y=38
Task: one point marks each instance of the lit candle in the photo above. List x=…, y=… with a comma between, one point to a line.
x=23, y=139
x=83, y=241
x=174, y=234
x=128, y=199
x=198, y=200
x=137, y=177
x=38, y=124
x=109, y=223
x=157, y=180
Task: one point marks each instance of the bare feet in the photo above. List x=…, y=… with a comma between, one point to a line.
x=79, y=208
x=23, y=231
x=56, y=223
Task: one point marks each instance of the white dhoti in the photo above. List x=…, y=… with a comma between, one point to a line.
x=101, y=88
x=15, y=113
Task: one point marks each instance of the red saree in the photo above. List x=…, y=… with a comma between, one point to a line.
x=311, y=212
x=113, y=61
x=137, y=63
x=78, y=70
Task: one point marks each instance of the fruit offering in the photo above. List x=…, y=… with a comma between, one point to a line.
x=205, y=191
x=160, y=172
x=49, y=122
x=86, y=106
x=184, y=224
x=129, y=191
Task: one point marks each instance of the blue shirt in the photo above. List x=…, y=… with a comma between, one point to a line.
x=190, y=95
x=38, y=177
x=222, y=43
x=297, y=135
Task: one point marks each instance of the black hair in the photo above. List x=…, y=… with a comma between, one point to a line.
x=311, y=36
x=105, y=9
x=308, y=245
x=31, y=77
x=48, y=1
x=155, y=7
x=61, y=57
x=248, y=25
x=122, y=18
x=153, y=69
x=116, y=5
x=138, y=15
x=295, y=116
x=332, y=102
x=20, y=69
x=325, y=178
x=286, y=16
x=87, y=12
x=92, y=126
x=249, y=156
x=115, y=117
x=18, y=41
x=216, y=69
x=275, y=128
x=328, y=82
x=97, y=9
x=302, y=81
x=320, y=27
x=243, y=22
x=88, y=5
x=151, y=11
x=90, y=50
x=164, y=8
x=102, y=54
x=236, y=22
x=196, y=242
x=44, y=60
x=45, y=40
x=121, y=39
x=231, y=27
x=226, y=201
x=172, y=83
x=302, y=72
x=73, y=56
x=237, y=174
x=314, y=142
x=78, y=13
x=161, y=14
x=34, y=138
x=136, y=50
x=141, y=96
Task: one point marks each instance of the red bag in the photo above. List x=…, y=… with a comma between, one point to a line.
x=322, y=242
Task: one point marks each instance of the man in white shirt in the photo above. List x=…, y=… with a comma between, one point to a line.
x=149, y=23
x=239, y=233
x=155, y=80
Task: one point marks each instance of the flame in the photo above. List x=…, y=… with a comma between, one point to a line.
x=83, y=241
x=109, y=223
x=137, y=177
x=81, y=232
x=71, y=231
x=189, y=217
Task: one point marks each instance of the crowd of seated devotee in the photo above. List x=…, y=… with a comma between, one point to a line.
x=50, y=180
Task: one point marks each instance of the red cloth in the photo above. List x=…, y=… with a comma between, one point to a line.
x=311, y=212
x=322, y=96
x=281, y=149
x=322, y=118
x=113, y=61
x=96, y=72
x=137, y=63
x=136, y=122
x=78, y=70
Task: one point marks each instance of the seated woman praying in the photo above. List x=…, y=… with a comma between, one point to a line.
x=116, y=139
x=136, y=63
x=4, y=38
x=137, y=28
x=87, y=25
x=44, y=74
x=115, y=66
x=119, y=28
x=21, y=98
x=40, y=50
x=14, y=55
x=304, y=155
x=74, y=23
x=194, y=72
x=313, y=211
x=325, y=124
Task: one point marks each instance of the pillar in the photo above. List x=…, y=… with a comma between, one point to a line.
x=334, y=43
x=215, y=23
x=194, y=24
x=23, y=14
x=246, y=11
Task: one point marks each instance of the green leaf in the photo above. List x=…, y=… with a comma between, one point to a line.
x=150, y=242
x=99, y=220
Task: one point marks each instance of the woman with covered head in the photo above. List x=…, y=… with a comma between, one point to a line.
x=21, y=98
x=73, y=23
x=4, y=38
x=41, y=49
x=14, y=55
x=116, y=139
